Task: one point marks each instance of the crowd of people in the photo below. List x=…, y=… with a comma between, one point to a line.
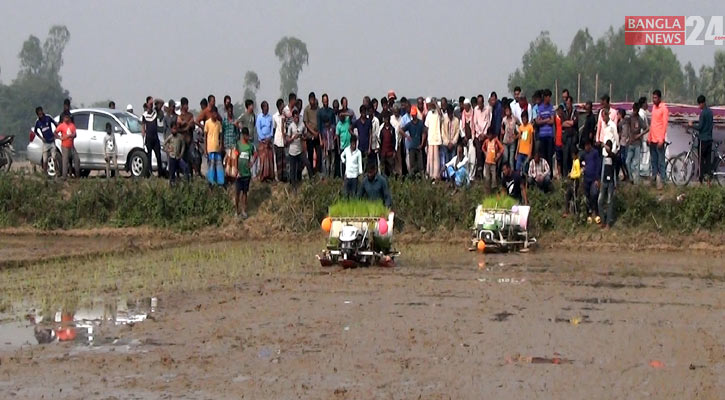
x=509, y=143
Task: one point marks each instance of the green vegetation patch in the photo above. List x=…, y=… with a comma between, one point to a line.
x=358, y=208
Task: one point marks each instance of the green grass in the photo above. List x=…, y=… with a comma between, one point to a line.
x=358, y=208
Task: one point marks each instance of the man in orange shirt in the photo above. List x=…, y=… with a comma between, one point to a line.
x=66, y=132
x=657, y=136
x=558, y=140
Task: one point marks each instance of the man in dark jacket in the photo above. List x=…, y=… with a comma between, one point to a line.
x=375, y=187
x=592, y=164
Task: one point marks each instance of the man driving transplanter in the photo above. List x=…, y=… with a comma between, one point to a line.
x=375, y=187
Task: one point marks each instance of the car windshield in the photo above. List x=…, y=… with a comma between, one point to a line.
x=131, y=122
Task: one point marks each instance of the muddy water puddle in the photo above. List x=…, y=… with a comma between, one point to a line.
x=101, y=324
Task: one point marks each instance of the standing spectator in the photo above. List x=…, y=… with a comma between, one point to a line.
x=605, y=109
x=634, y=145
x=493, y=151
x=206, y=106
x=248, y=120
x=570, y=133
x=389, y=145
x=280, y=130
x=330, y=146
x=539, y=173
x=405, y=118
x=545, y=121
x=481, y=122
x=559, y=140
x=592, y=164
x=414, y=132
x=515, y=106
x=295, y=132
x=314, y=149
x=645, y=162
x=657, y=137
x=170, y=116
x=374, y=134
x=175, y=144
x=496, y=112
x=231, y=137
x=112, y=105
x=363, y=127
x=620, y=162
x=508, y=133
x=352, y=160
x=564, y=97
x=433, y=129
x=610, y=135
x=214, y=148
x=396, y=122
x=704, y=128
x=609, y=179
x=343, y=131
x=452, y=135
x=160, y=118
x=525, y=139
x=247, y=157
x=589, y=130
x=67, y=133
x=265, y=130
x=520, y=106
x=44, y=128
x=149, y=129
x=66, y=109
x=185, y=126
x=109, y=150
x=325, y=116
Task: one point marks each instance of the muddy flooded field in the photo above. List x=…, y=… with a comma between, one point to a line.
x=262, y=320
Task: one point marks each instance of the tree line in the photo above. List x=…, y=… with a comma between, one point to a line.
x=632, y=71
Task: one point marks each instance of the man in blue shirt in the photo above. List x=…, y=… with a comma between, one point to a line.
x=265, y=152
x=363, y=125
x=496, y=112
x=545, y=122
x=704, y=127
x=592, y=164
x=44, y=128
x=414, y=131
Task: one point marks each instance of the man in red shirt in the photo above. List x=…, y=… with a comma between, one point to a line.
x=66, y=132
x=657, y=136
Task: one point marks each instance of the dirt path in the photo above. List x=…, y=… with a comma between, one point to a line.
x=457, y=325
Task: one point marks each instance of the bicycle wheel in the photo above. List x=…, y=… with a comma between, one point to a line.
x=719, y=171
x=682, y=170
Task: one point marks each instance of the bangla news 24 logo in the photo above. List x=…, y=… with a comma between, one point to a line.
x=673, y=30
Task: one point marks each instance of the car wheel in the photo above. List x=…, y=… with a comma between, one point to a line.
x=139, y=164
x=53, y=169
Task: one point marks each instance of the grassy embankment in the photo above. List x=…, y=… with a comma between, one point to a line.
x=29, y=200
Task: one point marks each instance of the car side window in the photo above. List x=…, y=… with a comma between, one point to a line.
x=100, y=121
x=81, y=120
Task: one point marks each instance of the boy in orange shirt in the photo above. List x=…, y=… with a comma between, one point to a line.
x=526, y=141
x=493, y=150
x=66, y=132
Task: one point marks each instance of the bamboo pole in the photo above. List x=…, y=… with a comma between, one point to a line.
x=578, y=87
x=556, y=90
x=596, y=87
x=610, y=92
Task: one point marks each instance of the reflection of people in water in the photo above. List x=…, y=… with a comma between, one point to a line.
x=66, y=332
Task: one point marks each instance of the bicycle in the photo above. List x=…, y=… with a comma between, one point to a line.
x=685, y=164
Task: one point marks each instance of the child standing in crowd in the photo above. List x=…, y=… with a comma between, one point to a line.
x=212, y=133
x=175, y=146
x=493, y=150
x=352, y=160
x=525, y=138
x=247, y=156
x=109, y=150
x=508, y=133
x=66, y=132
x=574, y=177
x=608, y=182
x=295, y=132
x=592, y=163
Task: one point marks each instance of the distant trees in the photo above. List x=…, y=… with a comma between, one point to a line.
x=292, y=53
x=632, y=71
x=38, y=83
x=251, y=85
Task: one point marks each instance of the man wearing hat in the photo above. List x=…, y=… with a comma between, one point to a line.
x=170, y=116
x=129, y=109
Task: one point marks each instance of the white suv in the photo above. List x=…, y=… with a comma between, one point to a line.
x=90, y=129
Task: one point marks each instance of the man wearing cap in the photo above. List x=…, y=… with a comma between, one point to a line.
x=129, y=109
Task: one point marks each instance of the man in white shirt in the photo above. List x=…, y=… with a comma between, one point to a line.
x=278, y=123
x=609, y=132
x=352, y=160
x=295, y=133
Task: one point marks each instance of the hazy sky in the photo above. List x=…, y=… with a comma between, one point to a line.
x=126, y=50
